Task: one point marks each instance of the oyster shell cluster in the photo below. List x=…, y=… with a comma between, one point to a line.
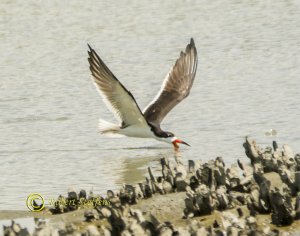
x=270, y=185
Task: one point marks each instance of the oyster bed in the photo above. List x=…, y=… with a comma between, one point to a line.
x=260, y=198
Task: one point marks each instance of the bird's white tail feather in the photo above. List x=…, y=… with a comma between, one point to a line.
x=109, y=129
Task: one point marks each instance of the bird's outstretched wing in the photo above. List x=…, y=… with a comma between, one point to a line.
x=176, y=86
x=117, y=98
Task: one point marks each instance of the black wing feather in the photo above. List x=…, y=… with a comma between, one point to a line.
x=176, y=86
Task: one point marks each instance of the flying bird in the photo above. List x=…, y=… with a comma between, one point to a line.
x=132, y=121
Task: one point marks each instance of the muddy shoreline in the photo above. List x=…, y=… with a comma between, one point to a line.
x=260, y=198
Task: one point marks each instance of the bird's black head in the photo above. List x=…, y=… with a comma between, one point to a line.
x=169, y=134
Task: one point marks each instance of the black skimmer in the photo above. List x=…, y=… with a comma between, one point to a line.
x=146, y=123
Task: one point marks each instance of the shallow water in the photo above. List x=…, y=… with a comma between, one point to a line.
x=247, y=83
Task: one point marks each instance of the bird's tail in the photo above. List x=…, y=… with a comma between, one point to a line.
x=109, y=129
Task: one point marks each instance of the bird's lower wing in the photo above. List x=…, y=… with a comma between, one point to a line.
x=176, y=86
x=117, y=98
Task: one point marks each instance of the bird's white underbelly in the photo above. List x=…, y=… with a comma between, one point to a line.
x=138, y=131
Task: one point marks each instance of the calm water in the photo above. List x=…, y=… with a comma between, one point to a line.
x=247, y=83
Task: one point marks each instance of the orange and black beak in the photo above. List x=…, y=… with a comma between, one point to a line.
x=176, y=141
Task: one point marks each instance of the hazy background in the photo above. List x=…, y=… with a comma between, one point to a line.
x=247, y=83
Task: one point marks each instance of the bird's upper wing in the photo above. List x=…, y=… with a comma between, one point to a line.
x=176, y=86
x=117, y=98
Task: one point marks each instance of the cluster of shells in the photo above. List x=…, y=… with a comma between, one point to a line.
x=266, y=197
x=270, y=184
x=266, y=186
x=42, y=228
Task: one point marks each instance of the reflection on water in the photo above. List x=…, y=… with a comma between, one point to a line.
x=247, y=83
